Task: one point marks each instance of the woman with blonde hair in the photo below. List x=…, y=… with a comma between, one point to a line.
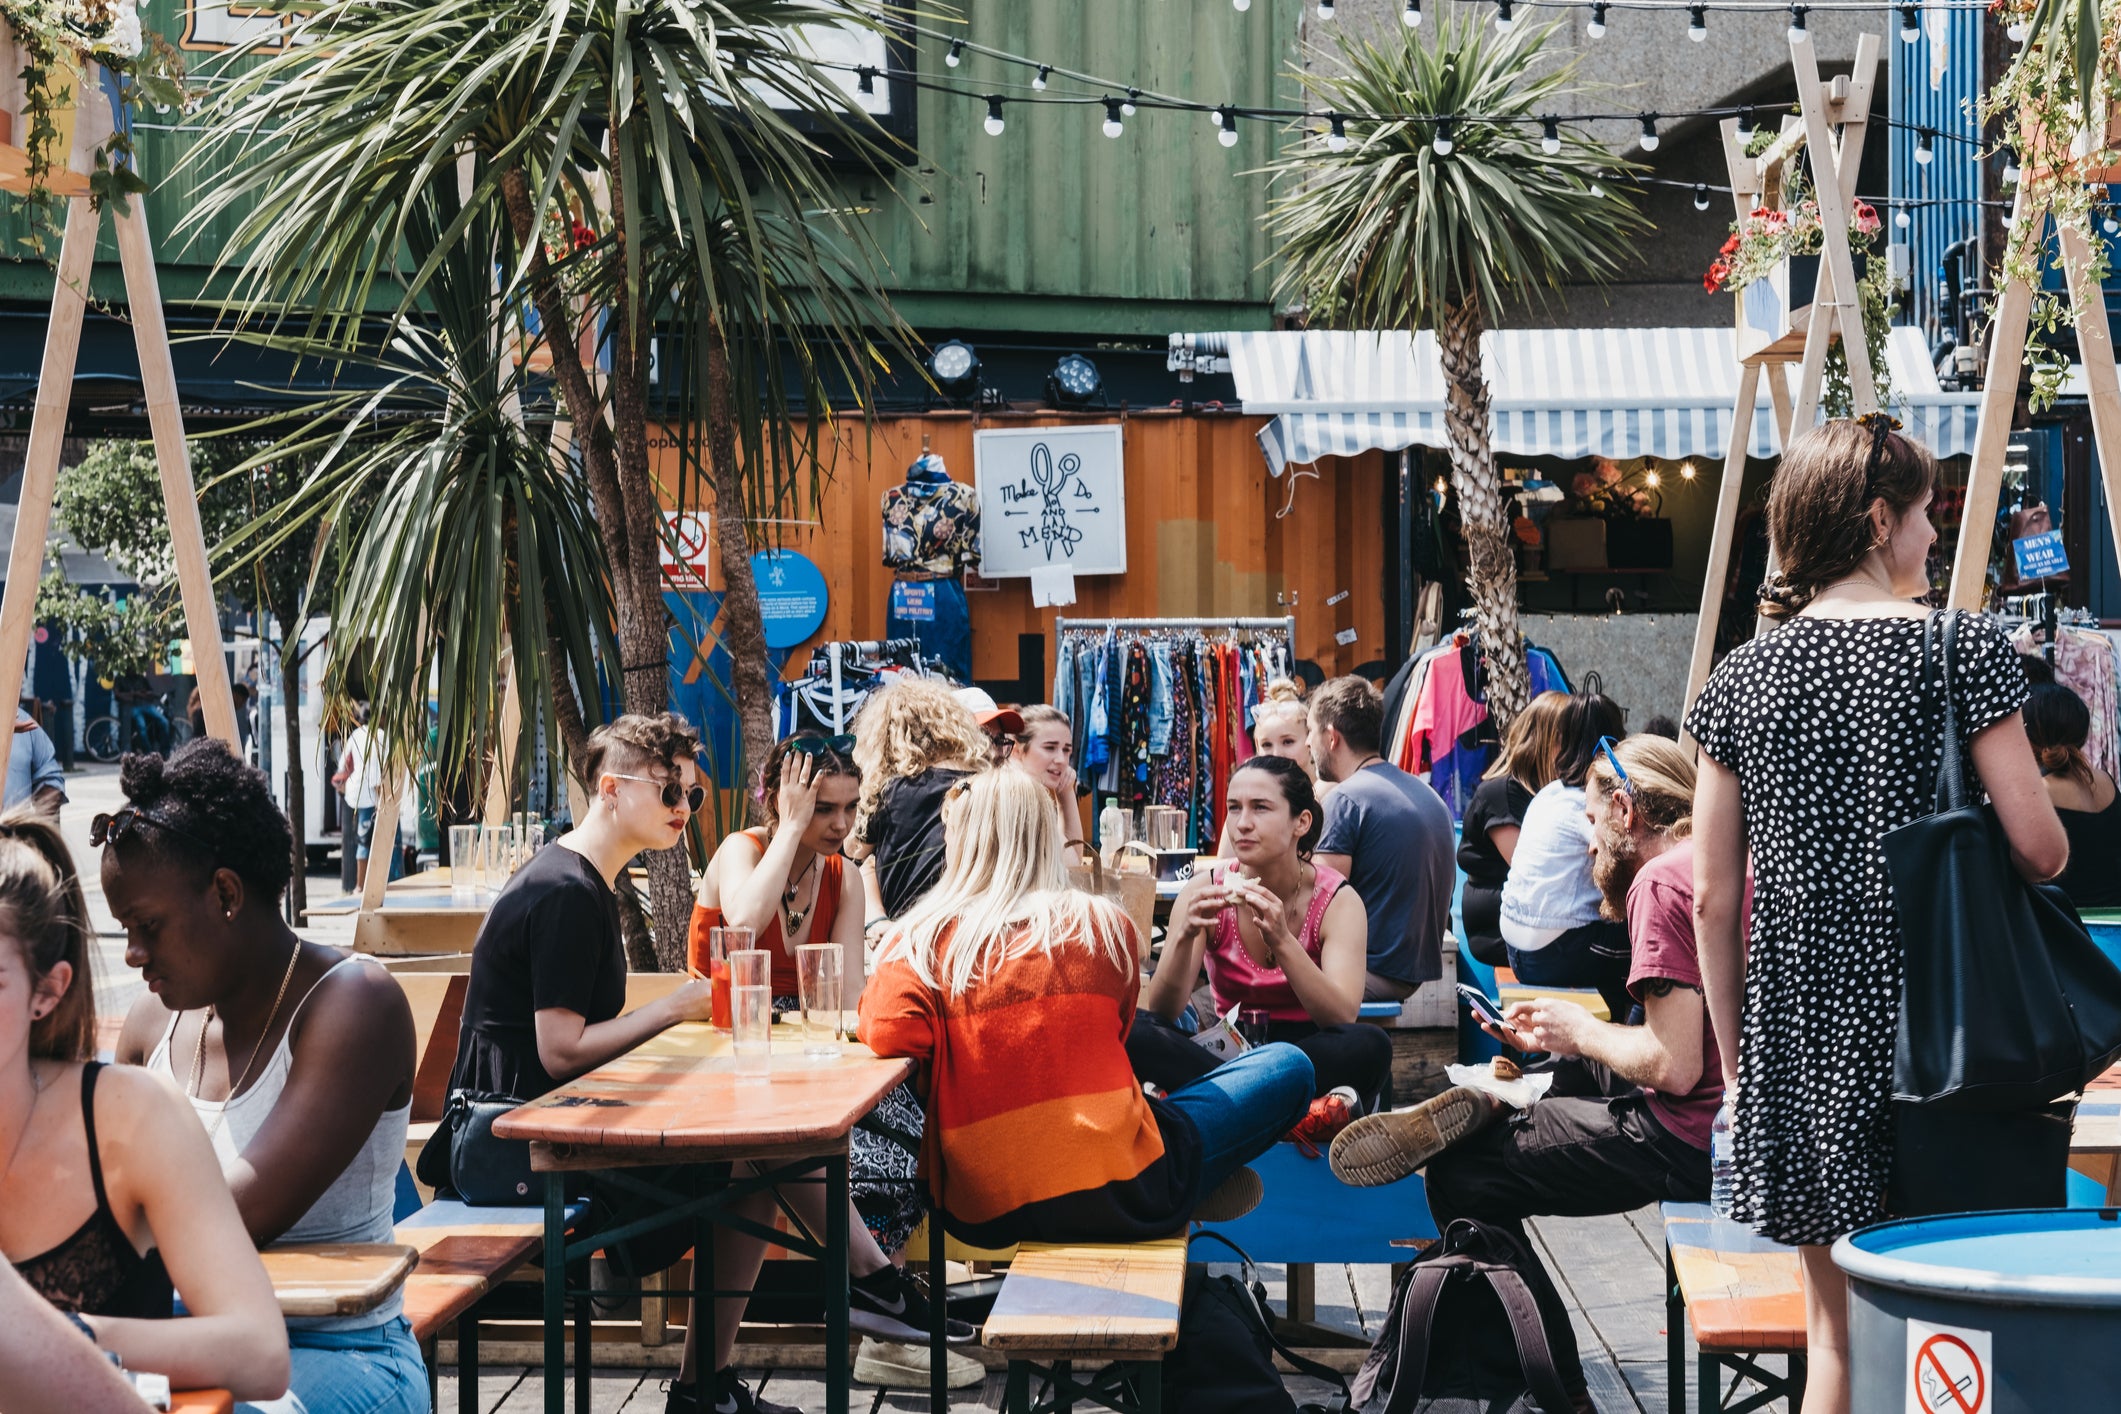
x=110, y=1193
x=1016, y=994
x=913, y=741
x=1495, y=816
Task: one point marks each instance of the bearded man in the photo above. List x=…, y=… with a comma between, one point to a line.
x=1627, y=1119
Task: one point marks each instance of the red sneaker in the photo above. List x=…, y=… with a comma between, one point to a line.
x=1329, y=1114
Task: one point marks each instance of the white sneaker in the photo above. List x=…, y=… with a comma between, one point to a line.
x=889, y=1365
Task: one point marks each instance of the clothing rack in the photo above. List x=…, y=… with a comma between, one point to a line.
x=1285, y=624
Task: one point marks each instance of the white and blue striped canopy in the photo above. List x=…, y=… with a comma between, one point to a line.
x=1555, y=392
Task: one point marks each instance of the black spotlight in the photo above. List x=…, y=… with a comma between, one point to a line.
x=1075, y=382
x=955, y=368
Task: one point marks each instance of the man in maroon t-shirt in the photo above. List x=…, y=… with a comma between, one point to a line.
x=1627, y=1119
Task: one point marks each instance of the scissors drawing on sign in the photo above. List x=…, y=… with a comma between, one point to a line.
x=1054, y=526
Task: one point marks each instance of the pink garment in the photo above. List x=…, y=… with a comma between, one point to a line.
x=2084, y=663
x=1238, y=980
x=1445, y=712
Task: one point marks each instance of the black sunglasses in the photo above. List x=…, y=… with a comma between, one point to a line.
x=672, y=791
x=839, y=745
x=109, y=828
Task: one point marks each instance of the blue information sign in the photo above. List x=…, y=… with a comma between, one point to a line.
x=2040, y=556
x=791, y=596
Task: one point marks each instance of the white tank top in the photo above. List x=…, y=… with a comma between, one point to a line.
x=359, y=1205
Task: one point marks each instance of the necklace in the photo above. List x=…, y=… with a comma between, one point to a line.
x=792, y=917
x=198, y=1055
x=36, y=1093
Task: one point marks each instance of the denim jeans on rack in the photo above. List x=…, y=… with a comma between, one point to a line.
x=1162, y=686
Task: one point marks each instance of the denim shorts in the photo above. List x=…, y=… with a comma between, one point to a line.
x=375, y=1370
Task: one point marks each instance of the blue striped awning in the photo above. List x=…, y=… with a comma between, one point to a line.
x=1554, y=392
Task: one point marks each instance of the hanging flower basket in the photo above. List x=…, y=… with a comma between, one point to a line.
x=80, y=114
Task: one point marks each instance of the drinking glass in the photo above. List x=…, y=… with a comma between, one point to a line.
x=464, y=865
x=817, y=976
x=751, y=1009
x=721, y=942
x=493, y=857
x=1252, y=1023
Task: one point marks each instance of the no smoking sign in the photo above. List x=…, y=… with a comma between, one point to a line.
x=1948, y=1369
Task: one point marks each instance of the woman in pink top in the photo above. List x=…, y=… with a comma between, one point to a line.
x=1277, y=933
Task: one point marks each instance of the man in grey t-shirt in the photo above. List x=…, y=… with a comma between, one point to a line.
x=1389, y=833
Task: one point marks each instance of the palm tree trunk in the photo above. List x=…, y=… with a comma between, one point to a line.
x=743, y=627
x=1491, y=568
x=297, y=797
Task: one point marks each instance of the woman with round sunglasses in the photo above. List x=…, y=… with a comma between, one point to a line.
x=546, y=1003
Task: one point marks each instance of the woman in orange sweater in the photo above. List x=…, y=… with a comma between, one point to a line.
x=1016, y=993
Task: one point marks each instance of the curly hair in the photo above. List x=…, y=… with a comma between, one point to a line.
x=216, y=812
x=637, y=741
x=914, y=725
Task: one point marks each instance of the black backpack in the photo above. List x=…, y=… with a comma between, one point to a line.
x=1224, y=1360
x=1475, y=1327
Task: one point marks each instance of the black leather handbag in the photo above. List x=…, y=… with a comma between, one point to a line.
x=2007, y=1002
x=464, y=1159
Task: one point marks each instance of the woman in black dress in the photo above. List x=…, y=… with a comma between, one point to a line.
x=1495, y=815
x=1817, y=739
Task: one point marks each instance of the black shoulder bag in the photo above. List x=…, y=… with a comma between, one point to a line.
x=2007, y=1005
x=462, y=1157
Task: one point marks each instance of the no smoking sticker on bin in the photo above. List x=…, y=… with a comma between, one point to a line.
x=1948, y=1369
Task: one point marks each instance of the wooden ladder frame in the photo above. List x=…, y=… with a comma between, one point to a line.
x=1843, y=103
x=55, y=381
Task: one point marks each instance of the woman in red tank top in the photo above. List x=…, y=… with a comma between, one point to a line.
x=787, y=881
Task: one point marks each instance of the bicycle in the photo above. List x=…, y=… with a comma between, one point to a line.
x=103, y=742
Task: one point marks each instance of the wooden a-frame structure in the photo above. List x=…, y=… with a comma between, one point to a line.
x=1841, y=106
x=94, y=118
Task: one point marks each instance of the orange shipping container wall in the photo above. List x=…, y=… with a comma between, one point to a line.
x=1203, y=539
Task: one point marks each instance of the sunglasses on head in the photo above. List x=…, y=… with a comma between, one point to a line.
x=110, y=828
x=817, y=745
x=672, y=791
x=1605, y=745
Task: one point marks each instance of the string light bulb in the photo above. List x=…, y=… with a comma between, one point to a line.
x=1325, y=9
x=1649, y=137
x=1550, y=136
x=956, y=55
x=1444, y=141
x=1337, y=133
x=994, y=122
x=865, y=79
x=1701, y=196
x=1910, y=24
x=1128, y=106
x=2109, y=225
x=1038, y=85
x=1922, y=146
x=1652, y=479
x=1798, y=33
x=1240, y=5
x=1697, y=22
x=1901, y=219
x=1687, y=471
x=1746, y=123
x=1226, y=127
x=1113, y=126
x=1411, y=16
x=1505, y=21
x=2010, y=168
x=1596, y=28
x=2017, y=32
x=1597, y=190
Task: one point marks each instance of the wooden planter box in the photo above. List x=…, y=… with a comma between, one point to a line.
x=1774, y=314
x=83, y=117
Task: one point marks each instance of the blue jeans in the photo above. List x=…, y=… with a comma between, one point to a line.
x=365, y=833
x=1243, y=1107
x=373, y=1371
x=1590, y=955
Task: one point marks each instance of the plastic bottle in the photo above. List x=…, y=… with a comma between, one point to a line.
x=1723, y=1166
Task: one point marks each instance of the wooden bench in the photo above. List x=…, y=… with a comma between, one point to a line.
x=465, y=1253
x=1744, y=1296
x=1112, y=1303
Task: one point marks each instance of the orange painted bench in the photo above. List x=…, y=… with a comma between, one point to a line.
x=1744, y=1296
x=201, y=1401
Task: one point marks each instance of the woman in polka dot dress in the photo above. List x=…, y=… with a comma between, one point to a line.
x=1817, y=739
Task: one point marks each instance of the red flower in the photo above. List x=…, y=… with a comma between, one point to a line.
x=1730, y=247
x=583, y=236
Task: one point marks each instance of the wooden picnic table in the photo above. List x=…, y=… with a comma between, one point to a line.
x=336, y=1278
x=2096, y=1136
x=682, y=1099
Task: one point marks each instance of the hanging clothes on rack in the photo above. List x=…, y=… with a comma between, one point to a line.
x=2084, y=662
x=1443, y=732
x=823, y=701
x=1163, y=708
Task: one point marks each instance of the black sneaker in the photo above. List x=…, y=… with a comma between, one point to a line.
x=886, y=1305
x=731, y=1396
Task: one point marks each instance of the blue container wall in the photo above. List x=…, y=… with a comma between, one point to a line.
x=1952, y=177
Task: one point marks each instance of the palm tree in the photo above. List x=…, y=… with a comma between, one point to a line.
x=1441, y=208
x=686, y=135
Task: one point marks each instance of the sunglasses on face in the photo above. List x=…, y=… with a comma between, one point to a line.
x=673, y=792
x=1606, y=744
x=109, y=828
x=817, y=745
